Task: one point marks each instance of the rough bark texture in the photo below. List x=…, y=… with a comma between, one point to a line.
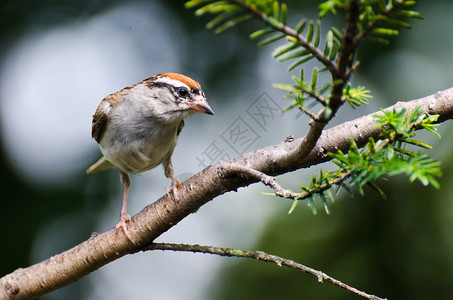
x=158, y=217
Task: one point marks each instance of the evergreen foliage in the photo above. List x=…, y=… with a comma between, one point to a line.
x=335, y=53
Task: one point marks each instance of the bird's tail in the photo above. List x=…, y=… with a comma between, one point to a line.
x=100, y=165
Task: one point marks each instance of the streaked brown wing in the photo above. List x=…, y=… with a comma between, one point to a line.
x=100, y=117
x=180, y=127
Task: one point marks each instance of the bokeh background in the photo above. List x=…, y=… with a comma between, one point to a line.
x=59, y=59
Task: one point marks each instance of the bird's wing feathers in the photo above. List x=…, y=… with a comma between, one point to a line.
x=180, y=127
x=100, y=117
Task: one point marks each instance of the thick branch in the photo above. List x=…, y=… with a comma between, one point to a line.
x=155, y=219
x=262, y=256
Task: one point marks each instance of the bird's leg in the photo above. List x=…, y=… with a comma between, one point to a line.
x=169, y=173
x=124, y=217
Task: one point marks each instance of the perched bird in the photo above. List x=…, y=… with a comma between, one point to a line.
x=137, y=127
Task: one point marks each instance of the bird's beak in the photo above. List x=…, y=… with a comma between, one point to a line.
x=201, y=105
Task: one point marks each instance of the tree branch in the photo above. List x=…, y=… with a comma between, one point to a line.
x=261, y=256
x=288, y=31
x=339, y=78
x=279, y=190
x=289, y=194
x=71, y=265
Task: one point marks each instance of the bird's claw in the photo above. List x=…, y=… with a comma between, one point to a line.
x=174, y=189
x=123, y=223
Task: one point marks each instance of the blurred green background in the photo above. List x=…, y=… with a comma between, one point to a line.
x=59, y=59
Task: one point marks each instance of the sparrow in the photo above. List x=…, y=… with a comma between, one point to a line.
x=137, y=128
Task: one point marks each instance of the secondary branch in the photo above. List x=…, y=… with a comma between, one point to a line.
x=262, y=256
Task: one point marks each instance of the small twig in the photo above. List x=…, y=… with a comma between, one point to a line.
x=361, y=36
x=352, y=69
x=308, y=112
x=319, y=98
x=315, y=95
x=279, y=190
x=290, y=32
x=262, y=256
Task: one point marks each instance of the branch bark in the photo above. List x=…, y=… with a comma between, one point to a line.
x=100, y=249
x=261, y=256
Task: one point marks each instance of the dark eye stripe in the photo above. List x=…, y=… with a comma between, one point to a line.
x=153, y=84
x=178, y=92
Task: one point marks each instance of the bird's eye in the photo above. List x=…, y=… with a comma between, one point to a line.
x=182, y=92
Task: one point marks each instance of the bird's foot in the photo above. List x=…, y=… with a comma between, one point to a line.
x=122, y=224
x=174, y=189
